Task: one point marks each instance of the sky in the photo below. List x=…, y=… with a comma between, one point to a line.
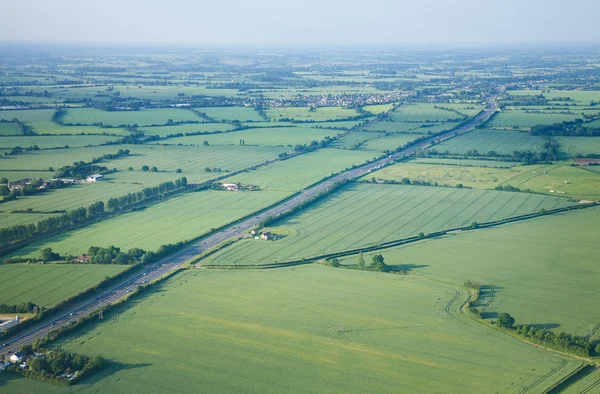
x=299, y=22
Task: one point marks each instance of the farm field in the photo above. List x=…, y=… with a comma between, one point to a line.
x=575, y=146
x=390, y=142
x=11, y=219
x=485, y=140
x=8, y=129
x=180, y=218
x=397, y=333
x=421, y=113
x=145, y=117
x=302, y=171
x=318, y=114
x=579, y=96
x=342, y=124
x=27, y=115
x=525, y=120
x=268, y=136
x=59, y=141
x=409, y=127
x=377, y=109
x=243, y=114
x=589, y=384
x=49, y=284
x=42, y=128
x=466, y=162
x=18, y=175
x=163, y=131
x=368, y=214
x=356, y=137
x=542, y=271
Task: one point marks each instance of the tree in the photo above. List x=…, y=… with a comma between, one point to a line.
x=505, y=320
x=49, y=255
x=205, y=143
x=178, y=171
x=4, y=180
x=154, y=169
x=361, y=260
x=597, y=349
x=377, y=263
x=145, y=168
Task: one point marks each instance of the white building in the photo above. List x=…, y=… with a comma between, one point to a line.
x=94, y=178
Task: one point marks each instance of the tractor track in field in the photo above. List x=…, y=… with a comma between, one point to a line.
x=594, y=330
x=489, y=302
x=450, y=303
x=591, y=387
x=546, y=376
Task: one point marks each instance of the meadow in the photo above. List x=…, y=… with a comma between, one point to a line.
x=181, y=218
x=302, y=171
x=423, y=113
x=377, y=109
x=11, y=219
x=390, y=142
x=466, y=162
x=364, y=215
x=522, y=119
x=18, y=175
x=59, y=141
x=252, y=328
x=304, y=113
x=407, y=127
x=144, y=117
x=356, y=137
x=163, y=131
x=49, y=284
x=42, y=128
x=8, y=129
x=27, y=115
x=503, y=142
x=242, y=114
x=268, y=136
x=574, y=146
x=542, y=271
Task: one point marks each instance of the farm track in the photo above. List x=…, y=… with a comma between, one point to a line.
x=546, y=376
x=591, y=387
x=489, y=302
x=594, y=330
x=448, y=307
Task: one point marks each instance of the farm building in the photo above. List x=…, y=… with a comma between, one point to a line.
x=94, y=178
x=18, y=185
x=17, y=357
x=267, y=236
x=84, y=258
x=230, y=186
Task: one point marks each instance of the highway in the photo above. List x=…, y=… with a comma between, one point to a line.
x=238, y=229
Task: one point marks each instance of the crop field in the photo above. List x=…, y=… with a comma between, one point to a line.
x=18, y=175
x=163, y=131
x=74, y=196
x=180, y=218
x=465, y=109
x=145, y=117
x=318, y=114
x=423, y=112
x=466, y=162
x=485, y=140
x=243, y=114
x=11, y=219
x=299, y=172
x=369, y=214
x=581, y=97
x=342, y=124
x=9, y=129
x=542, y=271
x=248, y=333
x=42, y=128
x=59, y=141
x=390, y=142
x=408, y=127
x=525, y=120
x=27, y=115
x=377, y=109
x=574, y=146
x=589, y=384
x=47, y=285
x=266, y=136
x=356, y=137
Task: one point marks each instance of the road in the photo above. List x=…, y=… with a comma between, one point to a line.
x=238, y=229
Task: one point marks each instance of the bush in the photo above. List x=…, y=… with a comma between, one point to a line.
x=505, y=320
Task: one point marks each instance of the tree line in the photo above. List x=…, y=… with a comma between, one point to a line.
x=24, y=307
x=570, y=129
x=21, y=232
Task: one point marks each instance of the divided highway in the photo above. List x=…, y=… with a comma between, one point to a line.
x=238, y=229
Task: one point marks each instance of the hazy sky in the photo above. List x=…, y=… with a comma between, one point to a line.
x=300, y=22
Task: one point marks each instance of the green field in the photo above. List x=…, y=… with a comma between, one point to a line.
x=54, y=128
x=163, y=131
x=145, y=117
x=369, y=214
x=574, y=146
x=526, y=120
x=243, y=114
x=377, y=109
x=180, y=218
x=27, y=115
x=11, y=219
x=47, y=285
x=581, y=97
x=424, y=112
x=356, y=137
x=408, y=127
x=390, y=142
x=466, y=162
x=304, y=113
x=59, y=141
x=17, y=175
x=503, y=142
x=542, y=271
x=8, y=129
x=234, y=331
x=269, y=136
x=302, y=171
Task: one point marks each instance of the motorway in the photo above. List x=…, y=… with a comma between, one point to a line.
x=177, y=260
